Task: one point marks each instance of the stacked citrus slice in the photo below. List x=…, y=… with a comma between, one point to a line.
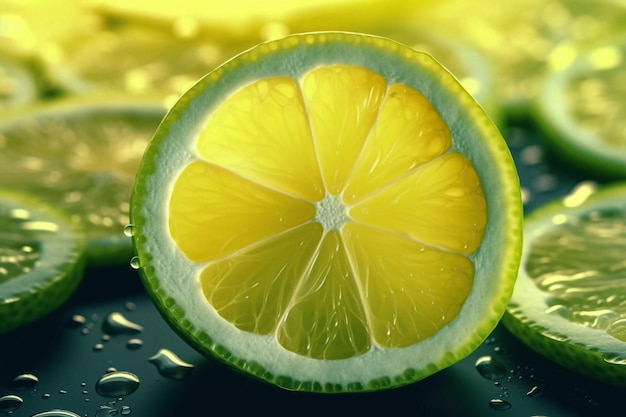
x=329, y=212
x=568, y=302
x=42, y=257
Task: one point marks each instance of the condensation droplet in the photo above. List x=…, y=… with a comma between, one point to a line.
x=534, y=391
x=10, y=403
x=98, y=347
x=77, y=320
x=56, y=413
x=490, y=368
x=116, y=323
x=134, y=344
x=125, y=410
x=169, y=365
x=499, y=405
x=135, y=263
x=23, y=381
x=128, y=230
x=117, y=384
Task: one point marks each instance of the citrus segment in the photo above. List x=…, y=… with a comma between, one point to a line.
x=329, y=211
x=214, y=212
x=252, y=133
x=408, y=133
x=326, y=319
x=441, y=204
x=423, y=289
x=342, y=104
x=253, y=288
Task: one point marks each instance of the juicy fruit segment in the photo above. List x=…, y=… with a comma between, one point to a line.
x=326, y=216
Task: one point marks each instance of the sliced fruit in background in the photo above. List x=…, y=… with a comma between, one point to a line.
x=525, y=40
x=42, y=258
x=329, y=212
x=582, y=110
x=570, y=296
x=17, y=85
x=81, y=155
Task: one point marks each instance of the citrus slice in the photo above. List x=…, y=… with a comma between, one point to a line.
x=81, y=155
x=568, y=302
x=582, y=111
x=42, y=258
x=329, y=212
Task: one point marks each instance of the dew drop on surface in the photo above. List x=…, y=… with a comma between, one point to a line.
x=169, y=365
x=117, y=384
x=56, y=413
x=98, y=347
x=23, y=381
x=10, y=403
x=535, y=391
x=77, y=320
x=135, y=263
x=490, y=368
x=499, y=405
x=106, y=411
x=125, y=410
x=134, y=344
x=116, y=323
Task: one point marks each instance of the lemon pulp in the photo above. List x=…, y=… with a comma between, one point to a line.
x=330, y=212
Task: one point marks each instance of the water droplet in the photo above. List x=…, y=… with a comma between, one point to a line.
x=134, y=344
x=169, y=365
x=106, y=411
x=10, y=403
x=490, y=368
x=117, y=384
x=128, y=230
x=77, y=320
x=135, y=263
x=125, y=410
x=46, y=395
x=98, y=347
x=23, y=381
x=499, y=405
x=116, y=323
x=62, y=391
x=534, y=391
x=130, y=306
x=56, y=413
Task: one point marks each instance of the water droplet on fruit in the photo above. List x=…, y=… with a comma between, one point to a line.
x=117, y=384
x=499, y=405
x=135, y=263
x=56, y=413
x=128, y=230
x=490, y=368
x=169, y=365
x=116, y=323
x=23, y=381
x=10, y=403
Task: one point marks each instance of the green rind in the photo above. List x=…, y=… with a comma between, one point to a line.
x=57, y=274
x=571, y=143
x=497, y=262
x=543, y=333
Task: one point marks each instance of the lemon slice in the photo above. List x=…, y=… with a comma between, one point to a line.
x=329, y=212
x=42, y=258
x=81, y=155
x=568, y=302
x=582, y=111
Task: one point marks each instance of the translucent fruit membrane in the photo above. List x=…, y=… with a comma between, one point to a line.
x=331, y=212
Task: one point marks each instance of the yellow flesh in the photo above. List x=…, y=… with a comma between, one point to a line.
x=330, y=212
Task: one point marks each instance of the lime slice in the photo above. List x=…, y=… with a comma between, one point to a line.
x=81, y=155
x=42, y=258
x=569, y=298
x=329, y=212
x=581, y=109
x=17, y=86
x=525, y=40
